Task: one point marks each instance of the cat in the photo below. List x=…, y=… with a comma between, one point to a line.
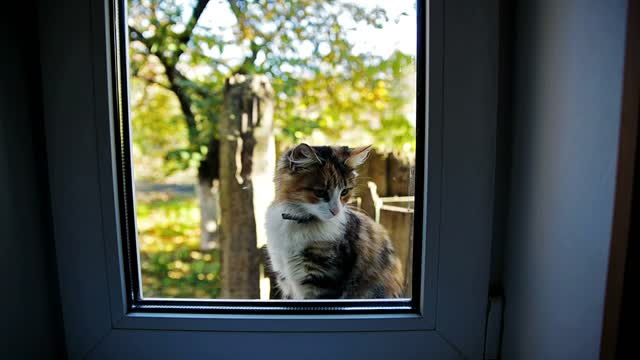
x=320, y=248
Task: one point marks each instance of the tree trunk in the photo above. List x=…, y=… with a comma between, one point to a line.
x=247, y=107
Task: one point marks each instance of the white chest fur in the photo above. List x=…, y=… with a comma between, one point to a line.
x=287, y=238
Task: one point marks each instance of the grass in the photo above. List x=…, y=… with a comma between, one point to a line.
x=172, y=264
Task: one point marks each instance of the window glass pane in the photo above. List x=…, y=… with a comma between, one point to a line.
x=273, y=147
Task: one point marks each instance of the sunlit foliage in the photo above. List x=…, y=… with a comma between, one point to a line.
x=172, y=263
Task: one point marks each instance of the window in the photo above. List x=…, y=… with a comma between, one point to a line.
x=447, y=311
x=318, y=73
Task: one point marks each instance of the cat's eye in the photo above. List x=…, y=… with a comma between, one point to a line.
x=344, y=192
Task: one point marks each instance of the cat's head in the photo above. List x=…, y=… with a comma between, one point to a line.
x=319, y=179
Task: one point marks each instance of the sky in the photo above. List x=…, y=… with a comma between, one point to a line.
x=398, y=34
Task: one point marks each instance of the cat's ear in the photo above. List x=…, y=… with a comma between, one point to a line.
x=358, y=156
x=302, y=156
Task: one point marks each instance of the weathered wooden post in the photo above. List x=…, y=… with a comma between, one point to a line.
x=245, y=125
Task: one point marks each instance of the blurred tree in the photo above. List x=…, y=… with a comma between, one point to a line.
x=159, y=36
x=320, y=83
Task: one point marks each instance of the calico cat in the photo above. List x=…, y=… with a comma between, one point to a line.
x=319, y=247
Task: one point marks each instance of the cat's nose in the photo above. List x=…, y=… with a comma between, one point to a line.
x=334, y=210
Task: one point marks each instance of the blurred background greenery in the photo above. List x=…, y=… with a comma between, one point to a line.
x=172, y=262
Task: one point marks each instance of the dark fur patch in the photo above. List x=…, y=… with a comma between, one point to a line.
x=330, y=268
x=321, y=281
x=352, y=234
x=384, y=257
x=316, y=255
x=329, y=155
x=378, y=292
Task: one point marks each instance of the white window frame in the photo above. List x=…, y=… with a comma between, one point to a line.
x=77, y=71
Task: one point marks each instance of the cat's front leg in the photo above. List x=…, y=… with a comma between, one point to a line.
x=285, y=287
x=320, y=286
x=321, y=276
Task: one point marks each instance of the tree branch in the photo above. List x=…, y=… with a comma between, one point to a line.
x=251, y=58
x=174, y=77
x=178, y=77
x=185, y=36
x=152, y=81
x=169, y=62
x=235, y=9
